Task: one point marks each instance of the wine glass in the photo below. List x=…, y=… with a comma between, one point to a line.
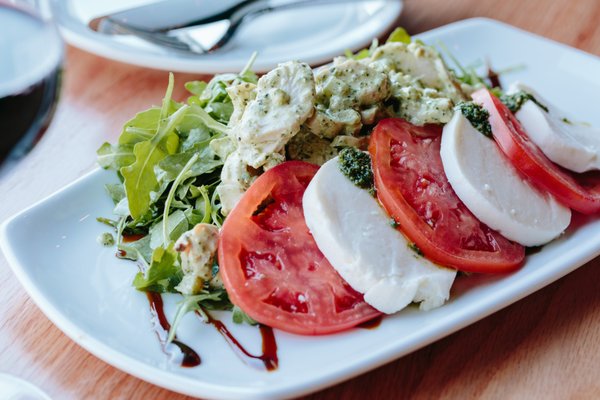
x=14, y=388
x=31, y=57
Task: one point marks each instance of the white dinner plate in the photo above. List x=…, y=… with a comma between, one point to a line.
x=312, y=34
x=87, y=292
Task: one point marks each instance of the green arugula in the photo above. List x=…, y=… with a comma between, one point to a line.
x=168, y=176
x=140, y=178
x=399, y=35
x=162, y=275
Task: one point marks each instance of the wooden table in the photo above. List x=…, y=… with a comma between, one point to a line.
x=545, y=346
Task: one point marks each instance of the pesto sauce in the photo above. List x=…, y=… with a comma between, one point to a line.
x=356, y=166
x=477, y=116
x=515, y=101
x=567, y=121
x=416, y=249
x=106, y=239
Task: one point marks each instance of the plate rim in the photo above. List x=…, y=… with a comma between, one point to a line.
x=381, y=356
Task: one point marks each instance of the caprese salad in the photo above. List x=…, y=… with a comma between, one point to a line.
x=315, y=200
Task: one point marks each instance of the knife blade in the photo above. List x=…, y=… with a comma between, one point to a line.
x=166, y=15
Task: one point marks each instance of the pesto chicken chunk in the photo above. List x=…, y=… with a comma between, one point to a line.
x=423, y=90
x=284, y=100
x=198, y=249
x=265, y=118
x=346, y=92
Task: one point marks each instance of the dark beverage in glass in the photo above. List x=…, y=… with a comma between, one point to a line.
x=31, y=54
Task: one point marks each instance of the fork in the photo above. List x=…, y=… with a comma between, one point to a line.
x=228, y=20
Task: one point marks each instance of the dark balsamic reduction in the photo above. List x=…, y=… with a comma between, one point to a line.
x=372, y=323
x=268, y=359
x=493, y=76
x=162, y=327
x=132, y=238
x=533, y=250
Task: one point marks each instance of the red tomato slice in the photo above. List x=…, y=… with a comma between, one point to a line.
x=580, y=192
x=413, y=188
x=272, y=267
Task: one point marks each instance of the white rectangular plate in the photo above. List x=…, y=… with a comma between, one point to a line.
x=87, y=292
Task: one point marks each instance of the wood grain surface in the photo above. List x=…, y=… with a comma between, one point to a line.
x=545, y=346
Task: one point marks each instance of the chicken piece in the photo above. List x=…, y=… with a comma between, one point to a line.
x=306, y=146
x=284, y=100
x=343, y=91
x=198, y=249
x=235, y=179
x=241, y=95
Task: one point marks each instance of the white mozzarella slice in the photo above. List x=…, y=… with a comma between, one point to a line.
x=355, y=235
x=571, y=145
x=492, y=189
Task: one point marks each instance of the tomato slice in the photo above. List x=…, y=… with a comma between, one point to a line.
x=271, y=266
x=413, y=188
x=580, y=192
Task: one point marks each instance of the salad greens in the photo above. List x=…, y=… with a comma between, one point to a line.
x=168, y=175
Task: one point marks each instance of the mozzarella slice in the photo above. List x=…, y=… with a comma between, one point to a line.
x=355, y=235
x=571, y=145
x=493, y=190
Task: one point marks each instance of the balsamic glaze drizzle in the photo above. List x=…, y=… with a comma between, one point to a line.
x=268, y=360
x=162, y=327
x=372, y=323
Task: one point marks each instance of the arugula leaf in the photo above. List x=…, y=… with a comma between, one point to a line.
x=107, y=221
x=364, y=53
x=139, y=250
x=220, y=111
x=467, y=74
x=197, y=116
x=172, y=227
x=205, y=203
x=182, y=175
x=196, y=87
x=140, y=179
x=162, y=275
x=170, y=167
x=115, y=191
x=141, y=127
x=213, y=97
x=215, y=215
x=115, y=156
x=197, y=138
x=399, y=35
x=122, y=208
x=240, y=317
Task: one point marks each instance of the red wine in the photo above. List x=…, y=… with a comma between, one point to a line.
x=31, y=53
